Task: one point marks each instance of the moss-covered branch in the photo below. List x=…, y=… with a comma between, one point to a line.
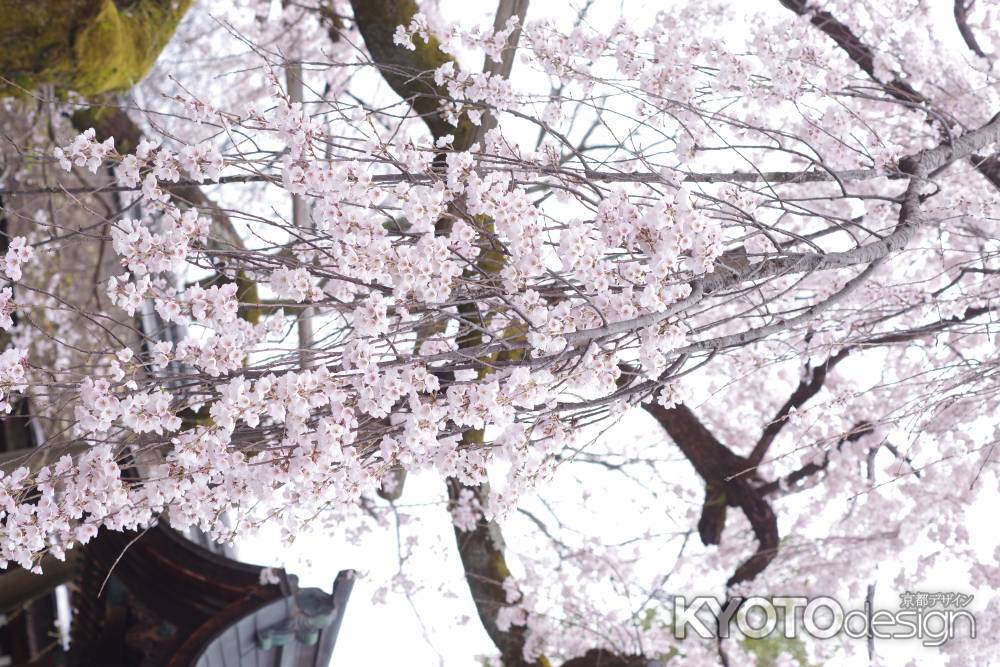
x=410, y=75
x=482, y=554
x=86, y=46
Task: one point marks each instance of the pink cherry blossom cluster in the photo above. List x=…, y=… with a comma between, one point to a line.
x=18, y=252
x=13, y=375
x=85, y=151
x=673, y=216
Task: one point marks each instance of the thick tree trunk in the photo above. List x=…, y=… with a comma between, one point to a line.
x=87, y=46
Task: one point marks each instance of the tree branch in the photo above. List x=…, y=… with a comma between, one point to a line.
x=408, y=73
x=807, y=388
x=855, y=49
x=810, y=386
x=810, y=469
x=962, y=8
x=725, y=484
x=482, y=554
x=864, y=57
x=601, y=658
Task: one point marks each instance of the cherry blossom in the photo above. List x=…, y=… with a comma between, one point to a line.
x=702, y=300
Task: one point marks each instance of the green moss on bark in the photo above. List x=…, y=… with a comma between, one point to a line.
x=86, y=46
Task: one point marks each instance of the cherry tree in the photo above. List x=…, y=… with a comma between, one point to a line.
x=389, y=244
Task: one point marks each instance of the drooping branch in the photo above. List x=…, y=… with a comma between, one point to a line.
x=810, y=386
x=750, y=335
x=729, y=477
x=925, y=330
